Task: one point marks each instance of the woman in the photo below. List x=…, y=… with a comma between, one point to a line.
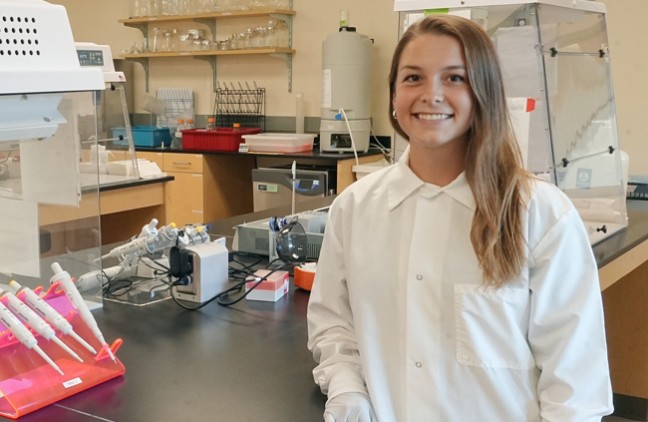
x=454, y=285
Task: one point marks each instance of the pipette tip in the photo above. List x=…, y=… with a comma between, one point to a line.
x=110, y=353
x=48, y=359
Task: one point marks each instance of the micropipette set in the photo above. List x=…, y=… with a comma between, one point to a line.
x=58, y=326
x=32, y=313
x=63, y=277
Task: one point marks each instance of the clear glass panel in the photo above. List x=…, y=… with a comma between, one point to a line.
x=582, y=120
x=49, y=214
x=114, y=153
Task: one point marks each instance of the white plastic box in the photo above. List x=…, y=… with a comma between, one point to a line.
x=280, y=142
x=273, y=288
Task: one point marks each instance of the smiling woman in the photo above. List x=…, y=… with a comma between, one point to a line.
x=483, y=274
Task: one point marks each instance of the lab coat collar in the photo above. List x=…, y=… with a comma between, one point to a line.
x=405, y=183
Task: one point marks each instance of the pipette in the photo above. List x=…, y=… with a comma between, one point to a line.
x=23, y=335
x=37, y=323
x=63, y=277
x=49, y=313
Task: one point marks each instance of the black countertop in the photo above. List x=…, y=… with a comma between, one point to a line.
x=626, y=239
x=316, y=153
x=248, y=362
x=136, y=182
x=244, y=363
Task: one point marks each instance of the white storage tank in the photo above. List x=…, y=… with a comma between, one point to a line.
x=346, y=91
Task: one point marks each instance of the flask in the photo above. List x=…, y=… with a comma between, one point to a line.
x=211, y=123
x=176, y=143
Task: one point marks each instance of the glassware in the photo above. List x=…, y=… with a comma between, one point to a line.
x=158, y=34
x=139, y=8
x=184, y=42
x=176, y=142
x=258, y=4
x=281, y=37
x=172, y=39
x=227, y=5
x=155, y=7
x=235, y=41
x=167, y=41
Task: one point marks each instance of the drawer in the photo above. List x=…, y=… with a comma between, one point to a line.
x=183, y=163
x=184, y=199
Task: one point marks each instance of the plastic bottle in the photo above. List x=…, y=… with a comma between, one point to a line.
x=211, y=123
x=344, y=18
x=189, y=124
x=176, y=143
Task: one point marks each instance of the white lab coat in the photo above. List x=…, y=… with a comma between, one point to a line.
x=398, y=309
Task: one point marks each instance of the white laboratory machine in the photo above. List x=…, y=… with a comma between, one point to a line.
x=555, y=56
x=47, y=124
x=346, y=91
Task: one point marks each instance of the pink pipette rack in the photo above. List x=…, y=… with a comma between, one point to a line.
x=28, y=383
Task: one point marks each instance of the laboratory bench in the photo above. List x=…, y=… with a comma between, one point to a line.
x=343, y=161
x=250, y=361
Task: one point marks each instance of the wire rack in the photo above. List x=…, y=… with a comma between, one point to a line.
x=243, y=105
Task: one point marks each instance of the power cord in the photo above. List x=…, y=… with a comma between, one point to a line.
x=353, y=145
x=236, y=288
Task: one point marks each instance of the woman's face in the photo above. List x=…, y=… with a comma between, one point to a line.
x=432, y=97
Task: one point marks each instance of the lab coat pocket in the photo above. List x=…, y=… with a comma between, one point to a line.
x=491, y=326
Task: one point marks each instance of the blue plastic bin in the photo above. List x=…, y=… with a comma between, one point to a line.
x=143, y=136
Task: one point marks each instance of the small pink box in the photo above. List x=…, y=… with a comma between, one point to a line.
x=271, y=289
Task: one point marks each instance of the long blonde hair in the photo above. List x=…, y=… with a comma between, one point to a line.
x=493, y=163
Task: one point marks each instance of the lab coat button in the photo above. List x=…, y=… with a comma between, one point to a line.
x=419, y=364
x=419, y=277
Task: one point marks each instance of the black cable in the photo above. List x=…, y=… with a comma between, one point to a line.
x=233, y=289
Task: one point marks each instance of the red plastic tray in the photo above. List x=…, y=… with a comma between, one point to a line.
x=220, y=139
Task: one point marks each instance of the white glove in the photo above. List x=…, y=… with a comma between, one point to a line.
x=349, y=407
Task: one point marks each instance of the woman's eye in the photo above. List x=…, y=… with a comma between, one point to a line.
x=411, y=78
x=456, y=78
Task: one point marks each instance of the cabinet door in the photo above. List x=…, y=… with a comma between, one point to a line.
x=184, y=199
x=184, y=163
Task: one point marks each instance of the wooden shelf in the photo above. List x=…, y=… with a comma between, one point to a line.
x=205, y=16
x=209, y=19
x=243, y=52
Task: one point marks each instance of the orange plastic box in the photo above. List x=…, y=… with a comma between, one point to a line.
x=220, y=139
x=28, y=383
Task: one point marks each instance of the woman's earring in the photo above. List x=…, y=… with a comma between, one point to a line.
x=394, y=114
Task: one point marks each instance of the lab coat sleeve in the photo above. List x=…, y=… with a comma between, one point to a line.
x=566, y=327
x=331, y=330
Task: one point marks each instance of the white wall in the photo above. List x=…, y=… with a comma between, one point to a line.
x=97, y=21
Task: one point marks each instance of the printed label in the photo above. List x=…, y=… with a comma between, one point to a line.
x=72, y=382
